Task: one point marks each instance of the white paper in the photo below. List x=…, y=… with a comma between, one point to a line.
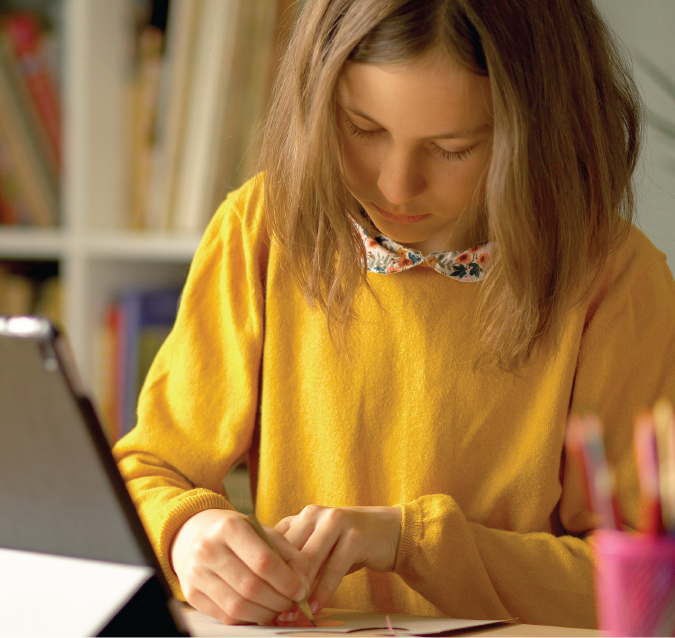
x=47, y=595
x=200, y=624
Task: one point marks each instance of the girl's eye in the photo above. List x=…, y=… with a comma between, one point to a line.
x=359, y=132
x=452, y=156
x=456, y=156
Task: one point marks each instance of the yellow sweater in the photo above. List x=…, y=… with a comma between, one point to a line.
x=492, y=517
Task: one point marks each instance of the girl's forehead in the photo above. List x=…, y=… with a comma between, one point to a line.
x=432, y=96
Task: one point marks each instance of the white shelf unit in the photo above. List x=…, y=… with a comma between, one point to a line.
x=97, y=257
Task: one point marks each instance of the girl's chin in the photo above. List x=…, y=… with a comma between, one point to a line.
x=403, y=234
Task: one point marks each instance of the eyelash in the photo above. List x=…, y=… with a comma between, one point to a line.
x=456, y=156
x=359, y=132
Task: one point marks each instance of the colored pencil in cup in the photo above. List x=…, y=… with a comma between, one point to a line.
x=664, y=422
x=584, y=437
x=603, y=478
x=646, y=457
x=574, y=441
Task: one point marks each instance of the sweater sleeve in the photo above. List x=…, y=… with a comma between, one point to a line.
x=624, y=366
x=197, y=408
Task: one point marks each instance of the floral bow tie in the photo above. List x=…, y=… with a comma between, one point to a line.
x=385, y=256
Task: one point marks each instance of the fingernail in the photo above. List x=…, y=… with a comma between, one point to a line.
x=300, y=594
x=315, y=606
x=285, y=617
x=294, y=616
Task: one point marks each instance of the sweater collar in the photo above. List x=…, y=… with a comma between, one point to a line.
x=385, y=256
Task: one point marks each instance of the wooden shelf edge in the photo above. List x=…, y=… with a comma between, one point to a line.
x=36, y=243
x=128, y=246
x=32, y=243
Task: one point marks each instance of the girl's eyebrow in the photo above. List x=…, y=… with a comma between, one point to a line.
x=459, y=134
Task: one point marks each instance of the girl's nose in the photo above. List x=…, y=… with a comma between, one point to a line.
x=401, y=178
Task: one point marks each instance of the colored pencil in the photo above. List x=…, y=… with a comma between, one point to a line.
x=648, y=474
x=664, y=421
x=584, y=435
x=255, y=524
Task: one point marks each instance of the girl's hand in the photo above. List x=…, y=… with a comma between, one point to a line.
x=227, y=571
x=342, y=540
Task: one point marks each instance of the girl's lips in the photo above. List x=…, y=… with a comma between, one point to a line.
x=401, y=219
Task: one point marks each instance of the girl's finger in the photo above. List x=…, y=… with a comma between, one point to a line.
x=321, y=543
x=318, y=577
x=233, y=604
x=238, y=577
x=298, y=530
x=332, y=572
x=294, y=558
x=264, y=563
x=283, y=525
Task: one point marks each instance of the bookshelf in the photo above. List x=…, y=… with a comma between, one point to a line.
x=93, y=249
x=96, y=256
x=159, y=103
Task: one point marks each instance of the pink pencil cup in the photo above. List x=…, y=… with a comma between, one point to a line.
x=635, y=583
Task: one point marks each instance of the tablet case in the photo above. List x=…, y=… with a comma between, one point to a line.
x=60, y=491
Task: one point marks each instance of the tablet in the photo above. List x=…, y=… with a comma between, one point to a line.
x=74, y=557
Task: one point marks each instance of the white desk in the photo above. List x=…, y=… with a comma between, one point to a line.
x=200, y=624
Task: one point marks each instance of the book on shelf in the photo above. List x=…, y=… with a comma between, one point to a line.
x=23, y=294
x=213, y=87
x=13, y=208
x=16, y=294
x=174, y=87
x=26, y=41
x=30, y=124
x=135, y=327
x=247, y=97
x=207, y=100
x=145, y=92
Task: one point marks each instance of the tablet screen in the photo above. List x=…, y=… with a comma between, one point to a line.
x=59, y=488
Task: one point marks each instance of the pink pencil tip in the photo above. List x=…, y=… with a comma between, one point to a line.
x=389, y=626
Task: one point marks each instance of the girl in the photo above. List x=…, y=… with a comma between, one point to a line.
x=396, y=317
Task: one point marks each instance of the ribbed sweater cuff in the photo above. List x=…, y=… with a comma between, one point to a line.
x=177, y=512
x=412, y=532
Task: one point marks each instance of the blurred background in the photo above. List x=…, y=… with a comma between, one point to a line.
x=647, y=29
x=124, y=123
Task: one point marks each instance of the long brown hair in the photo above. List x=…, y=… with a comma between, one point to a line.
x=558, y=192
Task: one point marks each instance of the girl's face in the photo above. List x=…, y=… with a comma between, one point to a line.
x=417, y=139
